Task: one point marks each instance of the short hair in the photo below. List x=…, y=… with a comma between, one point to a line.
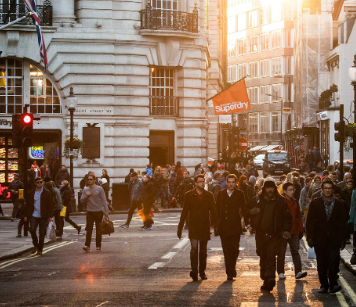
x=242, y=178
x=334, y=173
x=325, y=173
x=225, y=173
x=337, y=189
x=186, y=171
x=347, y=168
x=217, y=175
x=38, y=179
x=198, y=176
x=295, y=174
x=327, y=182
x=286, y=185
x=282, y=177
x=92, y=175
x=231, y=176
x=308, y=179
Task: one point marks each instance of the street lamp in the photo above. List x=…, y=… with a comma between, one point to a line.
x=352, y=75
x=72, y=102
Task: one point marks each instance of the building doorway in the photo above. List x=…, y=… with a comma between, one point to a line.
x=161, y=147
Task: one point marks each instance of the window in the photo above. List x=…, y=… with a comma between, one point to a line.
x=14, y=84
x=277, y=66
x=264, y=40
x=253, y=44
x=288, y=38
x=253, y=19
x=264, y=68
x=231, y=24
x=242, y=70
x=265, y=11
x=276, y=39
x=241, y=21
x=288, y=65
x=277, y=92
x=232, y=73
x=170, y=5
x=232, y=49
x=253, y=70
x=264, y=122
x=253, y=95
x=276, y=121
x=242, y=46
x=276, y=12
x=253, y=122
x=264, y=90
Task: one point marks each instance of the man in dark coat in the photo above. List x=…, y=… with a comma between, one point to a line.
x=230, y=202
x=14, y=187
x=62, y=174
x=326, y=232
x=200, y=205
x=271, y=219
x=40, y=211
x=309, y=158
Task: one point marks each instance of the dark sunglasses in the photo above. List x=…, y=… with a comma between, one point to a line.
x=38, y=181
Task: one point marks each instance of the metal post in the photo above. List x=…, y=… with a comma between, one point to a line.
x=354, y=136
x=341, y=166
x=281, y=122
x=71, y=149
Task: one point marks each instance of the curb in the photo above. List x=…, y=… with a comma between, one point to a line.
x=178, y=210
x=24, y=251
x=348, y=266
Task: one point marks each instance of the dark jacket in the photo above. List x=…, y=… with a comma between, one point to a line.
x=148, y=193
x=200, y=212
x=309, y=158
x=214, y=187
x=282, y=218
x=15, y=186
x=66, y=195
x=184, y=187
x=47, y=208
x=229, y=209
x=250, y=192
x=61, y=175
x=323, y=231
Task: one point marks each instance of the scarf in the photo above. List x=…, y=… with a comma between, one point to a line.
x=329, y=205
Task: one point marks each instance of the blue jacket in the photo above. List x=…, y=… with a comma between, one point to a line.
x=223, y=184
x=353, y=209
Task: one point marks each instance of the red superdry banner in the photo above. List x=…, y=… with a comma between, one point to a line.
x=234, y=99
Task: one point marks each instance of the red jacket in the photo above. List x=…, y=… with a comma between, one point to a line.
x=297, y=223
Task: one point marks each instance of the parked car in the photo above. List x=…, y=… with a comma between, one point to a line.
x=276, y=163
x=348, y=162
x=258, y=161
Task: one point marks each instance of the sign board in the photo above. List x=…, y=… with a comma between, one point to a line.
x=287, y=110
x=225, y=119
x=243, y=144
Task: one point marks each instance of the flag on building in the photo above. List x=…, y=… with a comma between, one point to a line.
x=31, y=6
x=232, y=100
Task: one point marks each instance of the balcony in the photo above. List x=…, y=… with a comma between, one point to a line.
x=168, y=21
x=164, y=106
x=10, y=12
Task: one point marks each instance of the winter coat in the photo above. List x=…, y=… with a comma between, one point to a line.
x=149, y=171
x=184, y=187
x=172, y=186
x=316, y=156
x=303, y=201
x=297, y=222
x=136, y=188
x=15, y=186
x=200, y=212
x=352, y=218
x=313, y=188
x=47, y=209
x=59, y=205
x=298, y=189
x=223, y=184
x=158, y=180
x=148, y=192
x=61, y=175
x=346, y=196
x=324, y=232
x=229, y=209
x=66, y=195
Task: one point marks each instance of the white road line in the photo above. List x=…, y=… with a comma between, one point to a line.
x=348, y=288
x=341, y=299
x=181, y=243
x=156, y=265
x=103, y=303
x=169, y=255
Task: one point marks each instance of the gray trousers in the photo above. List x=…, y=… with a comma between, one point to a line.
x=294, y=248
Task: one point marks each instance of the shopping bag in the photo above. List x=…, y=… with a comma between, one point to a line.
x=52, y=234
x=63, y=211
x=50, y=230
x=311, y=253
x=106, y=226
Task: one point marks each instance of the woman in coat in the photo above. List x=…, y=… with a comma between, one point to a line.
x=66, y=195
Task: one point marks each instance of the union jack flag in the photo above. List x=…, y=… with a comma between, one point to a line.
x=31, y=6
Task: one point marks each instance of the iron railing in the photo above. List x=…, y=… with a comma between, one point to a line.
x=156, y=19
x=10, y=12
x=164, y=106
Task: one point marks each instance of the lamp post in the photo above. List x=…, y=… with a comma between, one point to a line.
x=352, y=75
x=72, y=102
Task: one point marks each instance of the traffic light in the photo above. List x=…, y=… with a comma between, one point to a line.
x=26, y=129
x=234, y=139
x=340, y=134
x=16, y=130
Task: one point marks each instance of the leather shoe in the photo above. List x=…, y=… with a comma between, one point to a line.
x=323, y=290
x=335, y=289
x=230, y=278
x=203, y=277
x=194, y=276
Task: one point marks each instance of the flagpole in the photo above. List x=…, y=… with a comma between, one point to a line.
x=16, y=21
x=226, y=88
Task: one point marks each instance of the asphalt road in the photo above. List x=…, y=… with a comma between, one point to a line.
x=151, y=268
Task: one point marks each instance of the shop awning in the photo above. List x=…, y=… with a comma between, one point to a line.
x=257, y=148
x=271, y=147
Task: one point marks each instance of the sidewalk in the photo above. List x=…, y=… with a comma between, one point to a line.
x=346, y=256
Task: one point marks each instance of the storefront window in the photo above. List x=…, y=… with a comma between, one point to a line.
x=13, y=82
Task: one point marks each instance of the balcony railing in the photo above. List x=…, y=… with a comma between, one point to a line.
x=156, y=19
x=10, y=12
x=164, y=106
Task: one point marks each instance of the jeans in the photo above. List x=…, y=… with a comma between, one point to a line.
x=294, y=249
x=68, y=220
x=42, y=224
x=309, y=167
x=25, y=227
x=230, y=246
x=147, y=220
x=328, y=260
x=92, y=217
x=198, y=251
x=59, y=223
x=134, y=204
x=15, y=209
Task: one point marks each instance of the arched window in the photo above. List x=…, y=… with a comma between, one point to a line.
x=22, y=83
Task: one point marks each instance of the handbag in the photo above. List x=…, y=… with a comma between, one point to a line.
x=311, y=253
x=63, y=211
x=106, y=226
x=51, y=231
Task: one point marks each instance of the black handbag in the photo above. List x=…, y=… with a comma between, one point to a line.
x=106, y=226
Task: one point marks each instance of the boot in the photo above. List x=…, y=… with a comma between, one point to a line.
x=353, y=257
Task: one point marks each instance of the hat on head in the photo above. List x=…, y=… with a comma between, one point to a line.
x=252, y=179
x=269, y=182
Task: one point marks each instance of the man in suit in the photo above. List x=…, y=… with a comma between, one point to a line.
x=201, y=207
x=326, y=232
x=230, y=202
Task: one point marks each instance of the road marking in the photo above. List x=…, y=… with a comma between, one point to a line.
x=181, y=243
x=341, y=299
x=348, y=288
x=169, y=255
x=156, y=265
x=102, y=304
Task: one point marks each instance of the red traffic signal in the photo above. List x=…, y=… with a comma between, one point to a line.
x=27, y=119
